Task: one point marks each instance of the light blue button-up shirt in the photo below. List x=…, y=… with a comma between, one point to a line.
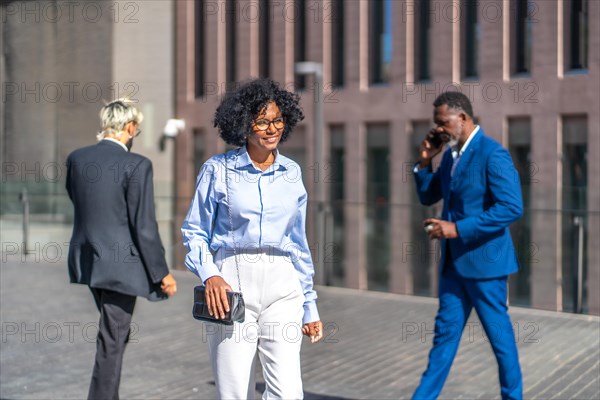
x=268, y=211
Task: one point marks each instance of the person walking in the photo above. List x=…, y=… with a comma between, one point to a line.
x=115, y=247
x=482, y=197
x=248, y=214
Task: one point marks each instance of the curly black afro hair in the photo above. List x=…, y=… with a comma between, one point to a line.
x=239, y=108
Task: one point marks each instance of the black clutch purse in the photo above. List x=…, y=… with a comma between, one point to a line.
x=237, y=308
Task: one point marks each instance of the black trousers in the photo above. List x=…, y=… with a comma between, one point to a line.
x=116, y=310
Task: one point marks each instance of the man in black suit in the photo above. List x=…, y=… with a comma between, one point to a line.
x=115, y=248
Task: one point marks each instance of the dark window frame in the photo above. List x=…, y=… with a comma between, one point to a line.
x=470, y=40
x=578, y=57
x=300, y=40
x=522, y=38
x=231, y=42
x=422, y=41
x=338, y=43
x=264, y=38
x=379, y=23
x=199, y=49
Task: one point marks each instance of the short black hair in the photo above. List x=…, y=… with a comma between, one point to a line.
x=455, y=101
x=239, y=108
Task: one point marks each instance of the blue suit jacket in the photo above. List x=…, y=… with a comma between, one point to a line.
x=483, y=197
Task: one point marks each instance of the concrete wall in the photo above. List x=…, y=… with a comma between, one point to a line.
x=62, y=62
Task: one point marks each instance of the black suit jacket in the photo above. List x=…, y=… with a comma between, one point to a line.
x=115, y=243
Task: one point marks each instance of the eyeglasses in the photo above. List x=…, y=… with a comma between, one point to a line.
x=263, y=124
x=138, y=131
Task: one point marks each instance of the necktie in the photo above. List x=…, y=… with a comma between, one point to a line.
x=455, y=163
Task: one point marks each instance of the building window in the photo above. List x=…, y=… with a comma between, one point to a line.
x=422, y=40
x=378, y=212
x=199, y=47
x=519, y=146
x=470, y=38
x=334, y=254
x=380, y=49
x=264, y=38
x=337, y=43
x=577, y=33
x=521, y=37
x=574, y=206
x=231, y=42
x=300, y=40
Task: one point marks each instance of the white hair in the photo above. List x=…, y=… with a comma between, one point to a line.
x=115, y=115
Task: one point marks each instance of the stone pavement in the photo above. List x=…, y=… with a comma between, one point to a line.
x=375, y=348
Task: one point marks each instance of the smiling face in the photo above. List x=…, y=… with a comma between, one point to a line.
x=263, y=142
x=453, y=123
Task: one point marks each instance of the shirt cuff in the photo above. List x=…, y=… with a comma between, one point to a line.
x=205, y=270
x=208, y=271
x=311, y=314
x=418, y=168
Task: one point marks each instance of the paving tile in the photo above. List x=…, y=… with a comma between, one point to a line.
x=376, y=346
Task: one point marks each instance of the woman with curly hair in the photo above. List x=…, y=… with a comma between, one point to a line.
x=250, y=206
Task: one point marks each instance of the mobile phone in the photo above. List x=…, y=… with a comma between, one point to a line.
x=437, y=139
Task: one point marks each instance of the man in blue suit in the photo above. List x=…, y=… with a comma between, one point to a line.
x=482, y=197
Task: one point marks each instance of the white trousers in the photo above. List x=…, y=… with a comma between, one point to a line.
x=273, y=326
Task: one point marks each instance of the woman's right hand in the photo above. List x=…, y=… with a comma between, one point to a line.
x=314, y=330
x=216, y=296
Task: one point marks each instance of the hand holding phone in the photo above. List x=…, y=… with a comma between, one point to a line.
x=431, y=146
x=437, y=139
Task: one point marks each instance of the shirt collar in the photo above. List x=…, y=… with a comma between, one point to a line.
x=456, y=152
x=243, y=160
x=117, y=142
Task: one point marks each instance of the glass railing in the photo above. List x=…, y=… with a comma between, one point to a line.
x=539, y=247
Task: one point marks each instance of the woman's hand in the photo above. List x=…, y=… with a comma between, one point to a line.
x=314, y=330
x=216, y=296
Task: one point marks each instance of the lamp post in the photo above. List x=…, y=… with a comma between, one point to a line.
x=316, y=69
x=170, y=131
x=172, y=128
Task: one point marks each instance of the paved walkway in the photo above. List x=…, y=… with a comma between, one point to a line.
x=375, y=348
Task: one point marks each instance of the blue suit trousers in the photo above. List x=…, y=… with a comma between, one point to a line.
x=457, y=296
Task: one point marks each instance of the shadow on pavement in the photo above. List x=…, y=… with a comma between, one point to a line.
x=260, y=387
